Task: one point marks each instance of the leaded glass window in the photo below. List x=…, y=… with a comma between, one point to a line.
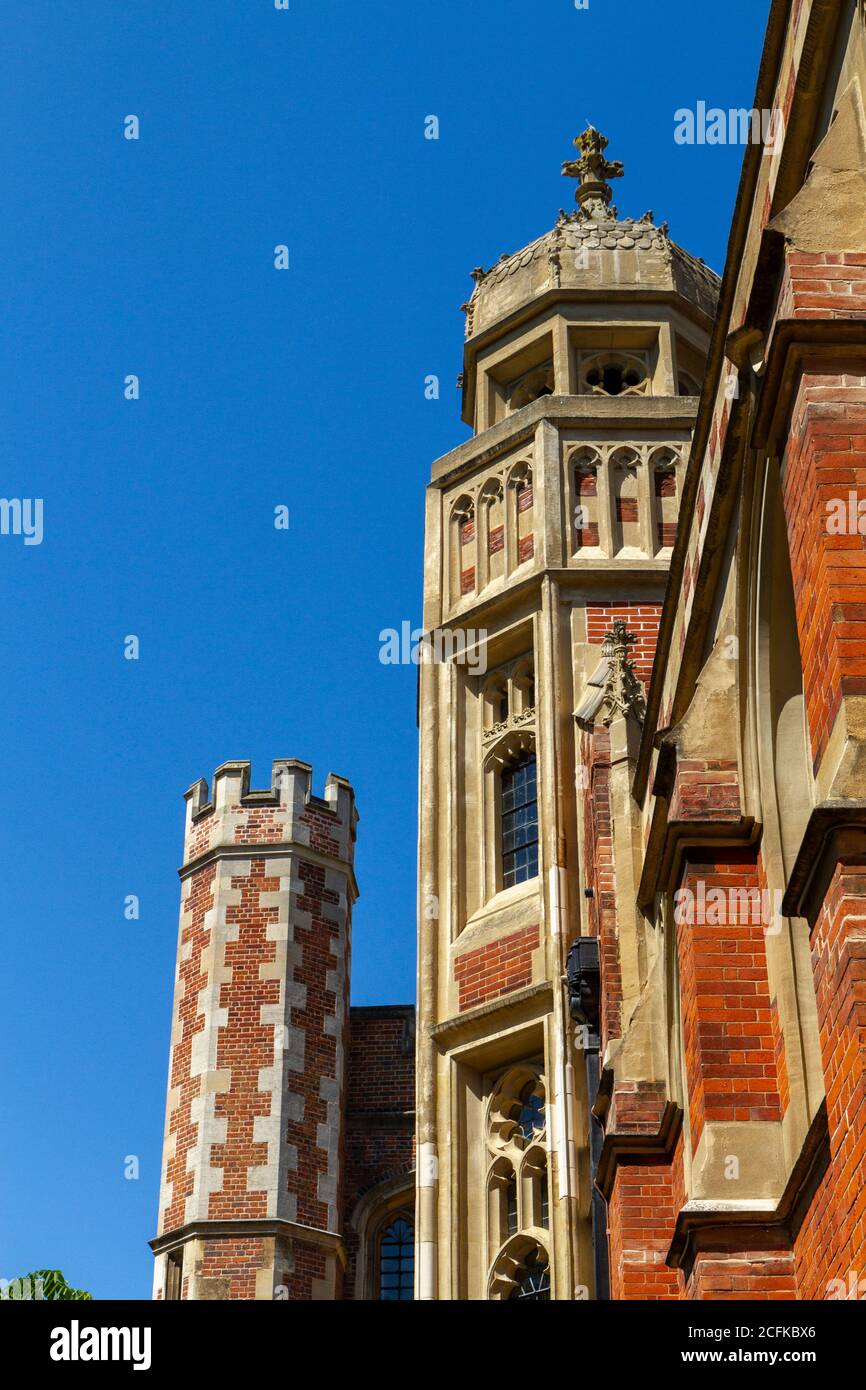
x=531, y=1119
x=535, y=1281
x=520, y=822
x=397, y=1262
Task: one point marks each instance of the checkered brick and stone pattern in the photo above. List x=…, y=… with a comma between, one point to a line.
x=252, y=1180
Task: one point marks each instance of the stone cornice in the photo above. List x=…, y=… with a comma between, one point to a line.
x=670, y=840
x=523, y=1004
x=257, y=1227
x=793, y=341
x=619, y=1148
x=281, y=849
x=578, y=412
x=835, y=829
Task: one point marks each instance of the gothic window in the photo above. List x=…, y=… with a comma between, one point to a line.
x=615, y=374
x=532, y=387
x=491, y=550
x=664, y=476
x=397, y=1261
x=518, y=1210
x=508, y=830
x=463, y=549
x=624, y=474
x=522, y=513
x=532, y=1121
x=586, y=533
x=519, y=821
x=534, y=1281
x=688, y=386
x=495, y=702
x=523, y=687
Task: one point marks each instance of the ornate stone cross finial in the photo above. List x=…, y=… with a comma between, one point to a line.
x=623, y=693
x=594, y=193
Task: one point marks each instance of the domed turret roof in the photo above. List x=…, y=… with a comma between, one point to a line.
x=591, y=250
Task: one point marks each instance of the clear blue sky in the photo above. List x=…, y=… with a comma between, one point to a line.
x=258, y=388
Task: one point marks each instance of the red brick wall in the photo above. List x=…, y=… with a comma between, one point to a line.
x=826, y=460
x=759, y=1276
x=193, y=974
x=641, y=1216
x=235, y=1259
x=823, y=285
x=706, y=790
x=729, y=1038
x=640, y=618
x=832, y=1241
x=497, y=969
x=380, y=1109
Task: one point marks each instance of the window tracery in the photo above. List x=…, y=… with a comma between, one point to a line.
x=615, y=374
x=531, y=387
x=518, y=1214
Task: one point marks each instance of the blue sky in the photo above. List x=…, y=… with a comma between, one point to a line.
x=259, y=388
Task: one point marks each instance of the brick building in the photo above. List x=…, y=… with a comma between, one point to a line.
x=642, y=864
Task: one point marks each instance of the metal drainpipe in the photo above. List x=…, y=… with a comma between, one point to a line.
x=584, y=983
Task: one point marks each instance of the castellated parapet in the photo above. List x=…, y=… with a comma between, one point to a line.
x=251, y=1190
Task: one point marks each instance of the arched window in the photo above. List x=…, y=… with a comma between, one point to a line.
x=491, y=548
x=521, y=510
x=533, y=1280
x=664, y=475
x=624, y=477
x=532, y=1118
x=585, y=464
x=519, y=793
x=518, y=1206
x=463, y=549
x=532, y=387
x=523, y=686
x=496, y=702
x=397, y=1261
x=615, y=374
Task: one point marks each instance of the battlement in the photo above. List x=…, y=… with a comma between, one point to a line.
x=288, y=812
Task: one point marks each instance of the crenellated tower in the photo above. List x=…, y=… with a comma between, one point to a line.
x=548, y=541
x=251, y=1201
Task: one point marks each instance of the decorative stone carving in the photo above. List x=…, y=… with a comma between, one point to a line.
x=594, y=192
x=623, y=692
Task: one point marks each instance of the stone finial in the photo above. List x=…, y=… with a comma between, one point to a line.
x=623, y=693
x=594, y=193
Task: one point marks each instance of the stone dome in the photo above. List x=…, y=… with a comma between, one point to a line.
x=591, y=251
x=600, y=256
